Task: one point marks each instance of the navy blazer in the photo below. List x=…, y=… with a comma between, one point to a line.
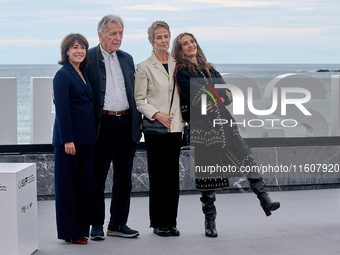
x=97, y=76
x=74, y=120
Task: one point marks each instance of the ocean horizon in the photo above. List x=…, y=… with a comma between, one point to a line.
x=23, y=73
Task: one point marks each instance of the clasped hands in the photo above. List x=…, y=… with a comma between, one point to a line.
x=163, y=118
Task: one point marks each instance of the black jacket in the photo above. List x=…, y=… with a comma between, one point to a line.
x=74, y=108
x=97, y=76
x=201, y=126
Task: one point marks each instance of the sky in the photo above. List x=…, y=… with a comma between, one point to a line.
x=229, y=31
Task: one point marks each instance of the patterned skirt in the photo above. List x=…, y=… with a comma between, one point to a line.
x=215, y=162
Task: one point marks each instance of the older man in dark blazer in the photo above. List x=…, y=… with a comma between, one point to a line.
x=111, y=75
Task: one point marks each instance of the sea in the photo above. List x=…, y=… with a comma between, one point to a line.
x=254, y=71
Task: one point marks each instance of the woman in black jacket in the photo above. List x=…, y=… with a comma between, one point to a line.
x=214, y=144
x=73, y=138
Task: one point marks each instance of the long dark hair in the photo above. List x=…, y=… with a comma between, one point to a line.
x=183, y=61
x=67, y=43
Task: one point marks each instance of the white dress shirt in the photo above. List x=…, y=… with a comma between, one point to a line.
x=115, y=94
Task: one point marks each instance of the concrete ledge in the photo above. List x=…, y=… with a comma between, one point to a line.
x=294, y=156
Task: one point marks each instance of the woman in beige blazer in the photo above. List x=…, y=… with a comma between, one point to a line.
x=154, y=85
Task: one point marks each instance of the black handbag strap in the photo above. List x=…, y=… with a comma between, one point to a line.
x=172, y=97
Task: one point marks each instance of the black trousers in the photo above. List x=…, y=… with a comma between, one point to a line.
x=114, y=144
x=73, y=191
x=163, y=168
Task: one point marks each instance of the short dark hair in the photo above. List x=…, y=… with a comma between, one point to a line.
x=67, y=43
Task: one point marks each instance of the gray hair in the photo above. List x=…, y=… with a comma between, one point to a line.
x=154, y=26
x=108, y=18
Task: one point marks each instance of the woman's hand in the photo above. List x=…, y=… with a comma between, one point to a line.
x=228, y=95
x=210, y=106
x=163, y=118
x=70, y=148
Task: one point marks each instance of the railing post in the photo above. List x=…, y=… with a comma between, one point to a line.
x=8, y=112
x=42, y=114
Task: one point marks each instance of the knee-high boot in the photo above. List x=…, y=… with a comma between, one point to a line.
x=208, y=207
x=258, y=187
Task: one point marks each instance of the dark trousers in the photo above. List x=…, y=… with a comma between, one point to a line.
x=163, y=168
x=114, y=144
x=73, y=191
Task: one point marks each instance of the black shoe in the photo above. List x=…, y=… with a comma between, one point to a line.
x=174, y=231
x=267, y=205
x=163, y=231
x=210, y=228
x=97, y=233
x=258, y=187
x=122, y=231
x=269, y=208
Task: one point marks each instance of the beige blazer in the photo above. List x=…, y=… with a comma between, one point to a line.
x=153, y=90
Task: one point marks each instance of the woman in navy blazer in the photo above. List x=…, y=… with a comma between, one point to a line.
x=73, y=139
